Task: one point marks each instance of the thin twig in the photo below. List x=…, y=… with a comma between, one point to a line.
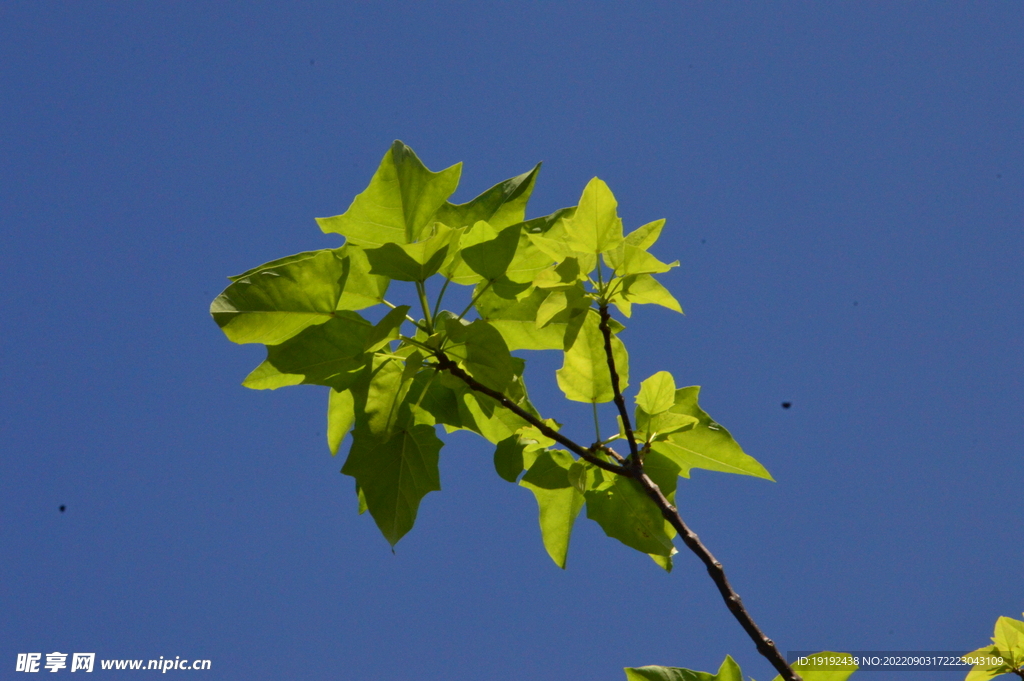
x=445, y=363
x=606, y=331
x=765, y=645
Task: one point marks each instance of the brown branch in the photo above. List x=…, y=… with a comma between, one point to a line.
x=606, y=331
x=445, y=363
x=765, y=645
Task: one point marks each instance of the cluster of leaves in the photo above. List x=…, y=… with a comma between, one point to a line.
x=1004, y=656
x=541, y=284
x=547, y=283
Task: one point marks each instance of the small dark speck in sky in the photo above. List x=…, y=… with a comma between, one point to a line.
x=312, y=62
x=855, y=303
x=63, y=508
x=999, y=175
x=787, y=405
x=703, y=241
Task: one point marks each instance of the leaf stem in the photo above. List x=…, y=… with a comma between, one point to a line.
x=416, y=323
x=597, y=424
x=444, y=287
x=620, y=402
x=475, y=296
x=421, y=289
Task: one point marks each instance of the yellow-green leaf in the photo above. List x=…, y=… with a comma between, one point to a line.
x=584, y=376
x=558, y=502
x=399, y=203
x=595, y=228
x=707, y=445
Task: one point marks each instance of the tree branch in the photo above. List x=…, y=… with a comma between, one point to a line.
x=765, y=645
x=606, y=331
x=445, y=363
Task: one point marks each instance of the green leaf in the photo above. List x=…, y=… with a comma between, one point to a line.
x=491, y=258
x=386, y=330
x=584, y=376
x=481, y=351
x=729, y=671
x=707, y=445
x=484, y=416
x=643, y=237
x=362, y=289
x=1008, y=644
x=637, y=261
x=660, y=427
x=811, y=672
x=341, y=414
x=657, y=393
x=281, y=261
x=411, y=262
x=552, y=305
x=399, y=203
x=644, y=289
x=502, y=205
x=516, y=320
x=983, y=672
x=1009, y=637
x=275, y=303
x=330, y=354
x=395, y=474
x=508, y=458
x=626, y=513
x=558, y=502
x=428, y=390
x=389, y=382
x=529, y=260
x=595, y=228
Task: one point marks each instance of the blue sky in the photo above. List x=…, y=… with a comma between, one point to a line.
x=842, y=185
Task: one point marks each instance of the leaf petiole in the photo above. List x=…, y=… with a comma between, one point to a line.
x=475, y=296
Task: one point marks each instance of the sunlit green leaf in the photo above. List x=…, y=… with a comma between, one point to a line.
x=645, y=289
x=362, y=289
x=502, y=205
x=275, y=303
x=341, y=414
x=389, y=382
x=395, y=474
x=633, y=260
x=328, y=354
x=491, y=258
x=387, y=329
x=625, y=513
x=508, y=458
x=595, y=228
x=729, y=671
x=558, y=502
x=481, y=351
x=516, y=320
x=644, y=236
x=399, y=203
x=411, y=262
x=1007, y=645
x=584, y=376
x=552, y=305
x=657, y=393
x=707, y=445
